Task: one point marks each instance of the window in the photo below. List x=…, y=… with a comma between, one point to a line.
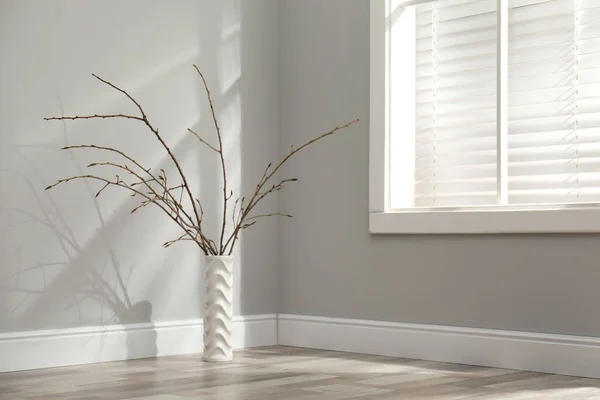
x=485, y=116
x=455, y=135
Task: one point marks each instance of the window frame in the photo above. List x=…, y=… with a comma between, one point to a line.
x=493, y=219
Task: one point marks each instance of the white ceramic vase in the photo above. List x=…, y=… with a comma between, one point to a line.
x=218, y=309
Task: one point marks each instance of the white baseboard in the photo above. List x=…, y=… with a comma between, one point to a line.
x=559, y=354
x=52, y=348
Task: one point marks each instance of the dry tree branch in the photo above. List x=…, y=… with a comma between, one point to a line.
x=213, y=245
x=156, y=133
x=95, y=116
x=203, y=141
x=162, y=195
x=145, y=182
x=294, y=151
x=233, y=211
x=144, y=204
x=120, y=183
x=248, y=225
x=265, y=173
x=243, y=214
x=269, y=215
x=257, y=193
x=181, y=194
x=172, y=242
x=125, y=93
x=163, y=143
x=169, y=201
x=222, y=157
x=101, y=190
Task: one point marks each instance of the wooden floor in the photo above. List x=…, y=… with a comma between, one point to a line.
x=288, y=374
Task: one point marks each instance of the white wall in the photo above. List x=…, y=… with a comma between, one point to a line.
x=333, y=267
x=69, y=260
x=330, y=265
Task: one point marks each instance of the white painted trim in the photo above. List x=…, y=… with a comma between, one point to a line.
x=61, y=347
x=494, y=220
x=502, y=103
x=379, y=104
x=549, y=353
x=383, y=219
x=407, y=3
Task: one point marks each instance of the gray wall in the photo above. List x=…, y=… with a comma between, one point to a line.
x=67, y=259
x=332, y=266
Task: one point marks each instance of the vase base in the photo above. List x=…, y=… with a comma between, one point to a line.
x=216, y=359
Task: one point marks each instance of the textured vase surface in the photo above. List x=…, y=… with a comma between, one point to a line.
x=218, y=309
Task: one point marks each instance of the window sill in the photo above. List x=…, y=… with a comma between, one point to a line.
x=490, y=221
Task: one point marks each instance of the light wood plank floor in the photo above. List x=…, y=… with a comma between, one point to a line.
x=290, y=373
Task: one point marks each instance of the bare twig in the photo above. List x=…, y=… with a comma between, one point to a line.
x=100, y=191
x=165, y=198
x=125, y=93
x=203, y=141
x=156, y=133
x=258, y=195
x=172, y=242
x=248, y=225
x=144, y=204
x=155, y=188
x=142, y=181
x=163, y=143
x=95, y=116
x=233, y=211
x=221, y=156
x=123, y=185
x=269, y=215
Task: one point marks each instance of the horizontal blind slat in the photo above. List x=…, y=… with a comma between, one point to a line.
x=555, y=152
x=440, y=4
x=462, y=25
x=541, y=10
x=553, y=147
x=554, y=102
x=562, y=122
x=455, y=110
x=589, y=16
x=459, y=11
x=457, y=105
x=425, y=43
x=551, y=167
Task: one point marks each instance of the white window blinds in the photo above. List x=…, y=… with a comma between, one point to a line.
x=553, y=99
x=456, y=103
